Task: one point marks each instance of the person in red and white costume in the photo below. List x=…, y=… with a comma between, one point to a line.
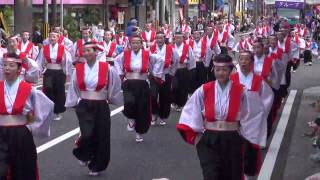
x=134, y=66
x=211, y=36
x=254, y=83
x=68, y=44
x=27, y=47
x=269, y=69
x=187, y=39
x=94, y=84
x=258, y=32
x=30, y=70
x=77, y=52
x=303, y=31
x=202, y=54
x=148, y=36
x=245, y=44
x=225, y=39
x=290, y=52
x=307, y=55
x=277, y=54
x=216, y=119
x=267, y=30
x=229, y=27
x=301, y=44
x=121, y=39
x=184, y=27
x=24, y=112
x=186, y=64
x=109, y=47
x=57, y=62
x=166, y=29
x=161, y=88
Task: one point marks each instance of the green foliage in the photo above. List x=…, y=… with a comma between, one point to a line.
x=71, y=24
x=8, y=15
x=92, y=15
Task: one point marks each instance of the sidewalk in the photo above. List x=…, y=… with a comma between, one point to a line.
x=298, y=165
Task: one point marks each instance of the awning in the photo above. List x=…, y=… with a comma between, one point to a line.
x=269, y=2
x=37, y=2
x=313, y=2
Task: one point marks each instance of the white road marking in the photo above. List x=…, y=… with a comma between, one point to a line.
x=69, y=134
x=271, y=157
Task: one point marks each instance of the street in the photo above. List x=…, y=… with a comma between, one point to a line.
x=164, y=154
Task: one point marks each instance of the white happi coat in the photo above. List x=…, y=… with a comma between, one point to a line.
x=250, y=114
x=37, y=103
x=112, y=90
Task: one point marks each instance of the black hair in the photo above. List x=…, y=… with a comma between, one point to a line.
x=259, y=41
x=14, y=55
x=91, y=43
x=224, y=58
x=247, y=52
x=160, y=32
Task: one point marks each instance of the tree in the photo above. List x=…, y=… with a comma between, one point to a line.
x=8, y=16
x=92, y=15
x=71, y=24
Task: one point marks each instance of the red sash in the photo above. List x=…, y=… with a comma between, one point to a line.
x=209, y=101
x=23, y=93
x=203, y=47
x=118, y=39
x=29, y=47
x=184, y=53
x=214, y=39
x=287, y=45
x=111, y=50
x=152, y=37
x=258, y=31
x=255, y=84
x=168, y=58
x=80, y=47
x=127, y=61
x=46, y=53
x=225, y=37
x=191, y=43
x=267, y=65
x=227, y=27
x=153, y=48
x=297, y=39
x=277, y=55
x=60, y=40
x=102, y=75
x=308, y=44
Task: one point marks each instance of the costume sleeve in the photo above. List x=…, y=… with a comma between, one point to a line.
x=73, y=94
x=230, y=43
x=33, y=71
x=41, y=60
x=191, y=59
x=43, y=114
x=191, y=119
x=253, y=126
x=267, y=98
x=35, y=52
x=115, y=95
x=118, y=64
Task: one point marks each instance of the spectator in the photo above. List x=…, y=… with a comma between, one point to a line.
x=37, y=36
x=132, y=27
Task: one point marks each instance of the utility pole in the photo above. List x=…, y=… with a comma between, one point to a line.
x=61, y=14
x=22, y=15
x=46, y=19
x=53, y=12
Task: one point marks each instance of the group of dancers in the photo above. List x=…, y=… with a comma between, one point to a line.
x=223, y=108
